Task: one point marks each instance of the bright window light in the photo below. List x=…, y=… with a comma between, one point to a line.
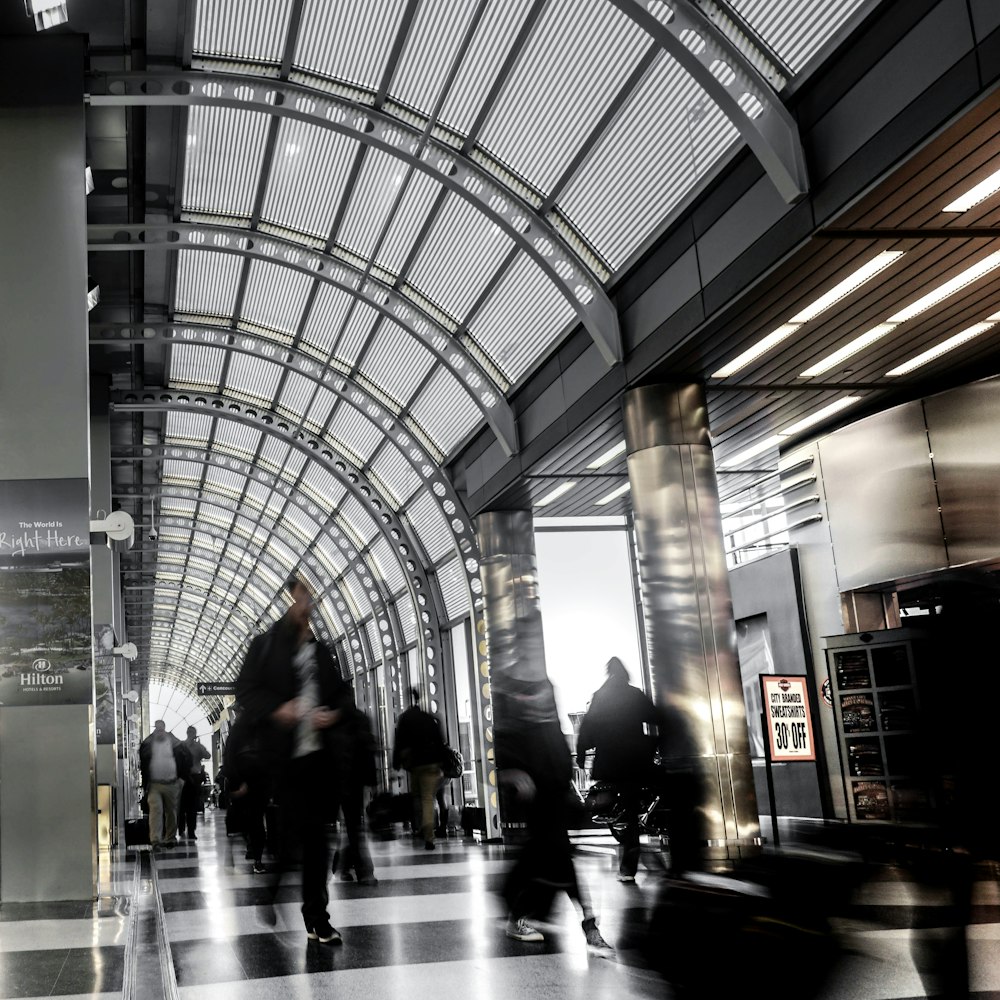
x=858, y=344
x=614, y=494
x=610, y=454
x=844, y=288
x=555, y=494
x=839, y=291
x=983, y=190
x=966, y=277
x=47, y=13
x=943, y=348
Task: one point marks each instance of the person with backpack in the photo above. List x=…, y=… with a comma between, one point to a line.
x=419, y=748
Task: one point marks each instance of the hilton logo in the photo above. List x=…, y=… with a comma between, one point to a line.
x=40, y=678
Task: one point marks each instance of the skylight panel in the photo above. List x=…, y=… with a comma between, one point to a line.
x=395, y=474
x=521, y=319
x=309, y=170
x=194, y=366
x=281, y=552
x=553, y=97
x=355, y=594
x=320, y=409
x=489, y=48
x=407, y=619
x=446, y=411
x=177, y=507
x=374, y=640
x=222, y=161
x=348, y=40
x=796, y=30
x=257, y=495
x=253, y=378
x=452, y=580
x=396, y=362
x=359, y=518
x=300, y=524
x=225, y=481
x=182, y=472
x=329, y=310
x=207, y=282
x=274, y=453
x=647, y=162
x=254, y=30
x=387, y=565
x=237, y=439
x=321, y=485
x=356, y=435
x=329, y=554
x=459, y=256
x=430, y=526
x=187, y=428
x=296, y=395
x=407, y=223
x=356, y=333
x=372, y=198
x=275, y=296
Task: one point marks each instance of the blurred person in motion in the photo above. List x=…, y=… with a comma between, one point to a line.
x=356, y=747
x=419, y=748
x=615, y=728
x=535, y=771
x=249, y=792
x=164, y=763
x=192, y=790
x=291, y=689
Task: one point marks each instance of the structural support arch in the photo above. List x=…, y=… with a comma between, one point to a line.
x=733, y=82
x=507, y=205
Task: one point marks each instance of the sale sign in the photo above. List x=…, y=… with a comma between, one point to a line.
x=789, y=724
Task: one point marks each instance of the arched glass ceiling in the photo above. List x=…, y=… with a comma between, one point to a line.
x=571, y=110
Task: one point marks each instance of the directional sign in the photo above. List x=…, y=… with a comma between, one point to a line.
x=206, y=688
x=786, y=708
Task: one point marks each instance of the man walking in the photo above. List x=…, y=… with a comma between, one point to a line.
x=419, y=748
x=291, y=690
x=164, y=764
x=191, y=791
x=615, y=727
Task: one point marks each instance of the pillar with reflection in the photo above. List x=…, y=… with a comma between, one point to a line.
x=688, y=611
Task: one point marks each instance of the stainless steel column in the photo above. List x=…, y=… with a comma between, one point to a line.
x=688, y=609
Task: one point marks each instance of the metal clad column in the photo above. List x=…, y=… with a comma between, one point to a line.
x=688, y=608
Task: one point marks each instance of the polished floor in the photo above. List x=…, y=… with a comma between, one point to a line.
x=433, y=926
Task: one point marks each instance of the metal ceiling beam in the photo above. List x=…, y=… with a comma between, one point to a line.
x=395, y=532
x=342, y=274
x=505, y=200
x=733, y=83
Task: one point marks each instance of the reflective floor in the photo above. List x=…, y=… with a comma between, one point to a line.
x=433, y=926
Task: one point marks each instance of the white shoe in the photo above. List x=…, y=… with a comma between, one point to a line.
x=521, y=930
x=626, y=878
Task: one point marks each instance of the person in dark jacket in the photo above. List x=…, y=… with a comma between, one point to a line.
x=249, y=788
x=290, y=687
x=357, y=770
x=615, y=727
x=165, y=765
x=419, y=748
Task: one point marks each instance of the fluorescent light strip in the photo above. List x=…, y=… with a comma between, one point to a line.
x=858, y=344
x=614, y=494
x=841, y=290
x=775, y=439
x=967, y=277
x=555, y=494
x=943, y=348
x=972, y=197
x=610, y=454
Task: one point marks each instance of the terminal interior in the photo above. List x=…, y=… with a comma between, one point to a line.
x=527, y=333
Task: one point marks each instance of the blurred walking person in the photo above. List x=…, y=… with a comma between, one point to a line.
x=419, y=748
x=191, y=791
x=164, y=763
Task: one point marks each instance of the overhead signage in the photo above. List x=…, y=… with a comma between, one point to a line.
x=789, y=724
x=219, y=688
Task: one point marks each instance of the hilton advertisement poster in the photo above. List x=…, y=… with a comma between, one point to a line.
x=46, y=644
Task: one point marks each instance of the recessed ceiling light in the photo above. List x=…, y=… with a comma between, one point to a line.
x=614, y=494
x=610, y=454
x=858, y=344
x=983, y=190
x=966, y=277
x=943, y=348
x=841, y=290
x=555, y=494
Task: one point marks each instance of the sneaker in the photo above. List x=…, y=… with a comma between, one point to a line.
x=368, y=879
x=259, y=869
x=346, y=876
x=626, y=878
x=192, y=835
x=428, y=845
x=521, y=930
x=594, y=940
x=324, y=933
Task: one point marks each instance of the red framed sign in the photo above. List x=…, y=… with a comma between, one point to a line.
x=789, y=722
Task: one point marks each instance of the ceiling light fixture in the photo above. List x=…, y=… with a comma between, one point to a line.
x=858, y=344
x=944, y=347
x=841, y=290
x=932, y=298
x=555, y=494
x=47, y=13
x=980, y=192
x=610, y=454
x=776, y=439
x=614, y=494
